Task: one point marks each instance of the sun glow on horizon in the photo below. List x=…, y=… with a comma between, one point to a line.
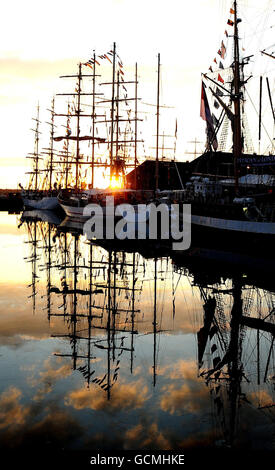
x=30, y=73
x=116, y=182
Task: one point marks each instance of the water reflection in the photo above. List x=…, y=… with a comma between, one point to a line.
x=134, y=346
x=236, y=341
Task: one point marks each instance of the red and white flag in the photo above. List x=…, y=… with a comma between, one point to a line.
x=220, y=79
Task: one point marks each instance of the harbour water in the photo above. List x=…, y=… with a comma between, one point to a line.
x=99, y=345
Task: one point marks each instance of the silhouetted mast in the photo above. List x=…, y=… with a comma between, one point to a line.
x=51, y=146
x=112, y=112
x=35, y=155
x=236, y=97
x=78, y=114
x=155, y=326
x=157, y=136
x=93, y=122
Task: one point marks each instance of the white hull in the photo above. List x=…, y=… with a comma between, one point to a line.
x=46, y=203
x=77, y=213
x=264, y=228
x=74, y=212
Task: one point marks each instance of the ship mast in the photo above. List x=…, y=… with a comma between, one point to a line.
x=136, y=119
x=237, y=136
x=50, y=150
x=117, y=147
x=35, y=156
x=155, y=326
x=93, y=123
x=51, y=146
x=36, y=151
x=112, y=112
x=67, y=166
x=77, y=125
x=157, y=141
x=78, y=114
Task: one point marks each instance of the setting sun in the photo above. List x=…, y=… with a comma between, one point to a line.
x=116, y=182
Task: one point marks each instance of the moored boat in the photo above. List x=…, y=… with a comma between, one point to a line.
x=36, y=196
x=244, y=201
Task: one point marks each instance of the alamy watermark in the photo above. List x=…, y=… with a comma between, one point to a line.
x=139, y=222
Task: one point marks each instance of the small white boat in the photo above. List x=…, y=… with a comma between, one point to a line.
x=74, y=203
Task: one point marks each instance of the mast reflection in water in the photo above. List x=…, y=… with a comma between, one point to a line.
x=132, y=346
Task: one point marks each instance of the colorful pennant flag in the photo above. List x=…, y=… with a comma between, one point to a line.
x=206, y=116
x=88, y=65
x=215, y=120
x=204, y=103
x=220, y=79
x=223, y=50
x=230, y=22
x=108, y=58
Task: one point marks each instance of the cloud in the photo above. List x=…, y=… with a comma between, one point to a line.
x=123, y=397
x=32, y=69
x=184, y=399
x=146, y=436
x=34, y=426
x=202, y=439
x=262, y=398
x=15, y=310
x=12, y=413
x=58, y=429
x=48, y=378
x=188, y=396
x=186, y=370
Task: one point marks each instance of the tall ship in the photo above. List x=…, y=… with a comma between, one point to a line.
x=41, y=191
x=232, y=193
x=113, y=141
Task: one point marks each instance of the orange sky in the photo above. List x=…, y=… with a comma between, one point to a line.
x=50, y=40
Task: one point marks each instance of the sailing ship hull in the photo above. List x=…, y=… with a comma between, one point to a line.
x=248, y=237
x=243, y=217
x=231, y=225
x=74, y=212
x=78, y=214
x=74, y=205
x=46, y=203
